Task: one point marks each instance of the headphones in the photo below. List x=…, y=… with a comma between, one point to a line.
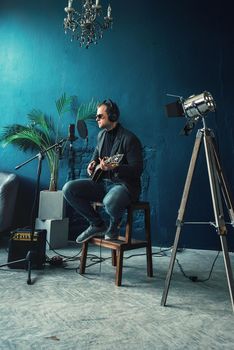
x=112, y=110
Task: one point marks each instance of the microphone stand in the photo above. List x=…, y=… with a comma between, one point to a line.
x=40, y=156
x=71, y=158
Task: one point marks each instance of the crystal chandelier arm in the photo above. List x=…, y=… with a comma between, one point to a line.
x=109, y=11
x=70, y=3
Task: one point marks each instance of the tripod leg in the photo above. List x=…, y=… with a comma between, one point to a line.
x=214, y=185
x=228, y=268
x=223, y=183
x=181, y=211
x=214, y=178
x=171, y=266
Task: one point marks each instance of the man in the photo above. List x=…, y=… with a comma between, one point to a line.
x=118, y=184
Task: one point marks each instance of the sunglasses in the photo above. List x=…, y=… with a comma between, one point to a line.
x=99, y=116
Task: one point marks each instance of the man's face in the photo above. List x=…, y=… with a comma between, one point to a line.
x=102, y=118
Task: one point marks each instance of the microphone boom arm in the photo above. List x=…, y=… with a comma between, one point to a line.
x=41, y=153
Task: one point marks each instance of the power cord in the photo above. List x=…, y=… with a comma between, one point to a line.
x=161, y=253
x=195, y=278
x=60, y=259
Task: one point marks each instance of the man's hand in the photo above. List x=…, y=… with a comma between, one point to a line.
x=91, y=167
x=107, y=166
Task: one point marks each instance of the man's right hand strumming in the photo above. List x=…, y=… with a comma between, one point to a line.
x=91, y=167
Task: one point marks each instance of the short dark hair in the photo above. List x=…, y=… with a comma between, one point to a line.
x=111, y=109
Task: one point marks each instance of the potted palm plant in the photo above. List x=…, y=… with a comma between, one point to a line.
x=42, y=132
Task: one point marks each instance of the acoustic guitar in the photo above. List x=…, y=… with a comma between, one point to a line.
x=115, y=160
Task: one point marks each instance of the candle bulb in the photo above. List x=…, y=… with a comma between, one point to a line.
x=70, y=3
x=97, y=2
x=109, y=11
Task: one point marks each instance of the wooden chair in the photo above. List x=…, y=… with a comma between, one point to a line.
x=124, y=243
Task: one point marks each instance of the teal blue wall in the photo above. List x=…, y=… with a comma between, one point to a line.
x=154, y=48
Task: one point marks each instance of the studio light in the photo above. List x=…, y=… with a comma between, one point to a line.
x=88, y=24
x=196, y=108
x=199, y=105
x=193, y=108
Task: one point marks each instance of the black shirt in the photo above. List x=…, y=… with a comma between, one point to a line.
x=107, y=147
x=108, y=142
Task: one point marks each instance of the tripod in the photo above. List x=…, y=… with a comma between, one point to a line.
x=218, y=189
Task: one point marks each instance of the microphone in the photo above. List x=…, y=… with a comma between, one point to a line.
x=71, y=133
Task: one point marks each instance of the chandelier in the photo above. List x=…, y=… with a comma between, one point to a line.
x=87, y=26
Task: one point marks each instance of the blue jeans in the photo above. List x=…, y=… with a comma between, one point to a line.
x=82, y=192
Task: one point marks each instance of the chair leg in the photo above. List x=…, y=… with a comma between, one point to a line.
x=83, y=258
x=119, y=268
x=113, y=254
x=148, y=247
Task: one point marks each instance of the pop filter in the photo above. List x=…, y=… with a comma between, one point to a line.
x=82, y=129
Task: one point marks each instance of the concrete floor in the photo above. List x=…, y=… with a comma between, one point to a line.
x=63, y=310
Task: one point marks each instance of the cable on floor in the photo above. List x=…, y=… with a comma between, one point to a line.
x=195, y=278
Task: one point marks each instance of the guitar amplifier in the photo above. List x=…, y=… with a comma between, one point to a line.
x=21, y=243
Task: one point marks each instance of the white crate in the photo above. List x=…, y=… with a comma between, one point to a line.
x=57, y=232
x=51, y=205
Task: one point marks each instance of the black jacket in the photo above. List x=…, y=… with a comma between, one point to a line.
x=131, y=166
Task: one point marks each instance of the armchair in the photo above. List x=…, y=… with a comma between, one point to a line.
x=8, y=191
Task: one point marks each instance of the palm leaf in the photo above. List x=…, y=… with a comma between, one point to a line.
x=87, y=110
x=18, y=135
x=40, y=121
x=63, y=104
x=24, y=137
x=38, y=118
x=27, y=138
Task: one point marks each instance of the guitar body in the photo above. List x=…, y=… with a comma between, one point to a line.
x=97, y=173
x=116, y=159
